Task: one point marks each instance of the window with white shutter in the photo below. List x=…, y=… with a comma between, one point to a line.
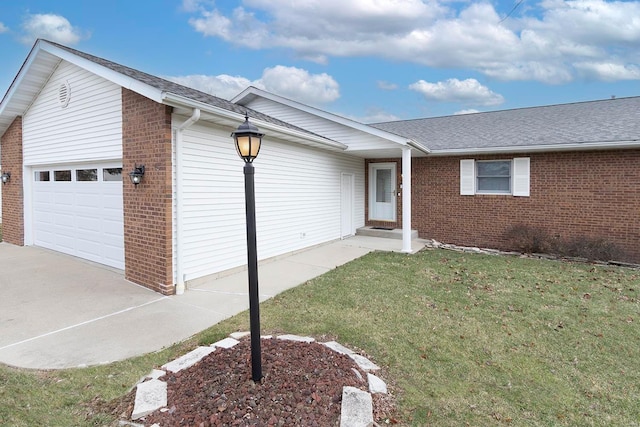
x=495, y=177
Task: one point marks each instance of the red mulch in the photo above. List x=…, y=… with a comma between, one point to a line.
x=302, y=386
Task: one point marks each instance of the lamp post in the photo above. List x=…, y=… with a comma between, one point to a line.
x=248, y=139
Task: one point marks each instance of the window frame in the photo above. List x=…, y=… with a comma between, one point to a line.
x=508, y=178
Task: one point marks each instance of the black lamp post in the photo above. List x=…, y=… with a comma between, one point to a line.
x=248, y=139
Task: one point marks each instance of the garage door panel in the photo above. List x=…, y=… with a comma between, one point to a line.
x=81, y=218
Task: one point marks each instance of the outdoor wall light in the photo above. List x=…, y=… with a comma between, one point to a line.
x=136, y=174
x=248, y=139
x=6, y=176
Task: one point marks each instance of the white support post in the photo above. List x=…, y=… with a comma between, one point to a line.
x=406, y=199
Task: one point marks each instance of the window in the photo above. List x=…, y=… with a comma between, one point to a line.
x=112, y=174
x=493, y=176
x=509, y=177
x=42, y=176
x=86, y=174
x=62, y=175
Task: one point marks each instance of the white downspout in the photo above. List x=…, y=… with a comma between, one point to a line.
x=195, y=116
x=406, y=199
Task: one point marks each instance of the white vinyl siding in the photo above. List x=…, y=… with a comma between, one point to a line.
x=89, y=128
x=519, y=184
x=298, y=199
x=354, y=139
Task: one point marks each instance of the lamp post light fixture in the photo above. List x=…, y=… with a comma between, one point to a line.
x=136, y=174
x=6, y=176
x=248, y=140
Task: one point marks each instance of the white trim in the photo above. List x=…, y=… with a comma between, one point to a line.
x=102, y=71
x=406, y=200
x=583, y=146
x=372, y=189
x=176, y=100
x=252, y=92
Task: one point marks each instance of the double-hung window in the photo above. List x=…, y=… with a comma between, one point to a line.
x=504, y=176
x=493, y=176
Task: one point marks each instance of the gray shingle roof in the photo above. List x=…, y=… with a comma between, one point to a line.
x=180, y=90
x=595, y=121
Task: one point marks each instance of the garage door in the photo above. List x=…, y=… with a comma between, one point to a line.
x=78, y=210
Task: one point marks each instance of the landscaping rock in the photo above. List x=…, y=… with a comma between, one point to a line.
x=150, y=396
x=364, y=363
x=357, y=408
x=338, y=347
x=296, y=338
x=225, y=343
x=188, y=359
x=376, y=385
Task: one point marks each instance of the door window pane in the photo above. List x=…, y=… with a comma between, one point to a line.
x=62, y=175
x=383, y=185
x=86, y=174
x=42, y=176
x=112, y=174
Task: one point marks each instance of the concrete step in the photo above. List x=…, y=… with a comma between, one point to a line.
x=395, y=233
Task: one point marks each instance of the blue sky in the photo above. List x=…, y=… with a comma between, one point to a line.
x=370, y=60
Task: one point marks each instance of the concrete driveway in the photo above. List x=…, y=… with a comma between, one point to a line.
x=59, y=311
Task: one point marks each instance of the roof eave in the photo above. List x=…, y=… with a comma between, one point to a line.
x=172, y=99
x=576, y=146
x=252, y=92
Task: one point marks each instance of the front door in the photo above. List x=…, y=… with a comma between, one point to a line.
x=382, y=191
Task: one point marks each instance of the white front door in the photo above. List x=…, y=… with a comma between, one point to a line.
x=346, y=205
x=382, y=191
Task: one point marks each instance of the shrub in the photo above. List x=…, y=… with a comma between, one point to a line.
x=528, y=239
x=593, y=249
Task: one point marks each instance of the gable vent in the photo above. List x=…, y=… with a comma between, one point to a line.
x=64, y=94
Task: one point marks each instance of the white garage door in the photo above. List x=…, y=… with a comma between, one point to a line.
x=78, y=210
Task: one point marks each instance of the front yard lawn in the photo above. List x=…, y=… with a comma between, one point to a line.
x=463, y=339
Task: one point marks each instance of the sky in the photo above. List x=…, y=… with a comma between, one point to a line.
x=368, y=60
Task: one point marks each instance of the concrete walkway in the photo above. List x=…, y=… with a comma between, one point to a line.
x=58, y=311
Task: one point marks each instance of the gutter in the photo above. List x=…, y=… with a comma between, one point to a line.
x=576, y=146
x=195, y=116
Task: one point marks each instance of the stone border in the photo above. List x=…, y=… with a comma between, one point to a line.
x=357, y=405
x=434, y=244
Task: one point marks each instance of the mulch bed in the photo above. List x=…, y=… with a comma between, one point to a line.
x=302, y=386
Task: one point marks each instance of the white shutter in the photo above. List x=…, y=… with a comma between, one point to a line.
x=521, y=176
x=467, y=177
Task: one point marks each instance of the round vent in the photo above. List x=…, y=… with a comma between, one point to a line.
x=64, y=94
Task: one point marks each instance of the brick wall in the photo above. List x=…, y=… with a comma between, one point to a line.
x=146, y=133
x=592, y=194
x=387, y=224
x=12, y=191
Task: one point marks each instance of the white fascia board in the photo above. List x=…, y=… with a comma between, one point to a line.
x=255, y=92
x=578, y=146
x=106, y=73
x=177, y=100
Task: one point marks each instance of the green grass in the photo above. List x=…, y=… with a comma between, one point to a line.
x=463, y=339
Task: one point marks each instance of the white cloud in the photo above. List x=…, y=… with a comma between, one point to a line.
x=299, y=84
x=386, y=85
x=3, y=28
x=546, y=41
x=51, y=27
x=468, y=111
x=468, y=92
x=609, y=71
x=290, y=82
x=376, y=115
x=222, y=86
